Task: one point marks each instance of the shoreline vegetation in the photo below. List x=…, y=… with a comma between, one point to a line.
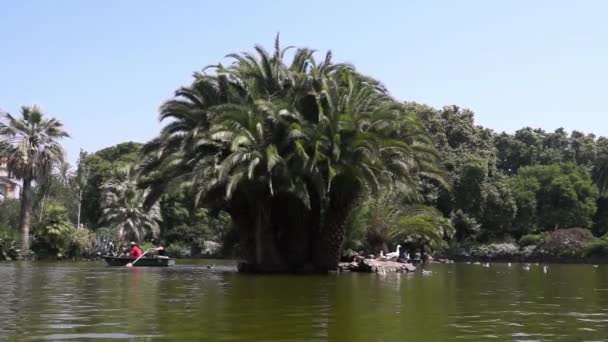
x=289, y=161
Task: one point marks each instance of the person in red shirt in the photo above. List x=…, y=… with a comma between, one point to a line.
x=135, y=251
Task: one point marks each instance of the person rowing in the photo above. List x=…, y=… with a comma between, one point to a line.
x=135, y=251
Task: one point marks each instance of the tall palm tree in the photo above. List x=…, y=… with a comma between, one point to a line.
x=30, y=150
x=600, y=175
x=123, y=208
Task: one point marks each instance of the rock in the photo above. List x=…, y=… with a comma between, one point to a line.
x=441, y=261
x=375, y=266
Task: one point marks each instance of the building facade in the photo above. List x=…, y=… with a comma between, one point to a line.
x=10, y=187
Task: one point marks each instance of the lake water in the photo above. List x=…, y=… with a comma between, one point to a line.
x=91, y=302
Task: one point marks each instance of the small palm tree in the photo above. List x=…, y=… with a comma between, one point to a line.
x=390, y=220
x=122, y=207
x=30, y=149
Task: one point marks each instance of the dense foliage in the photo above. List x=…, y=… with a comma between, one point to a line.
x=286, y=159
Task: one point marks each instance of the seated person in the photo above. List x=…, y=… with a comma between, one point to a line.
x=135, y=251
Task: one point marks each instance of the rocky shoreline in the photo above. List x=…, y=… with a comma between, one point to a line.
x=366, y=265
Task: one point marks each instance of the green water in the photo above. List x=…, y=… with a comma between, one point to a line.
x=90, y=302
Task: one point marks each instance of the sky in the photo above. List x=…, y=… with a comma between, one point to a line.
x=104, y=67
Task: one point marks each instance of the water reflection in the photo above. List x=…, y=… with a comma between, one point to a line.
x=88, y=301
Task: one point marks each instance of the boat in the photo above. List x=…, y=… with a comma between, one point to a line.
x=156, y=261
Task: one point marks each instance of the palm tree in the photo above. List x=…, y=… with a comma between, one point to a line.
x=80, y=182
x=600, y=175
x=30, y=150
x=285, y=148
x=123, y=208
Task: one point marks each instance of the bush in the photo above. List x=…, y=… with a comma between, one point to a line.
x=531, y=240
x=56, y=237
x=566, y=242
x=82, y=242
x=9, y=216
x=496, y=250
x=597, y=248
x=178, y=251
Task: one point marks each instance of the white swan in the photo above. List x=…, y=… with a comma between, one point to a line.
x=545, y=269
x=526, y=267
x=595, y=266
x=425, y=272
x=487, y=264
x=509, y=264
x=394, y=254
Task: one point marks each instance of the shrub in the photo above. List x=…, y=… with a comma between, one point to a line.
x=178, y=250
x=56, y=237
x=566, y=242
x=9, y=216
x=597, y=248
x=496, y=250
x=82, y=242
x=531, y=240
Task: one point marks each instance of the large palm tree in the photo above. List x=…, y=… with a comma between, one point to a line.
x=30, y=150
x=285, y=148
x=123, y=209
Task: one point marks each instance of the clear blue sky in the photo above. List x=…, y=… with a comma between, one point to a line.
x=104, y=67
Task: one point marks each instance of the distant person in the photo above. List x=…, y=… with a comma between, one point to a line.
x=135, y=251
x=111, y=248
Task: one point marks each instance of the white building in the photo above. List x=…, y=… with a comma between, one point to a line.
x=9, y=187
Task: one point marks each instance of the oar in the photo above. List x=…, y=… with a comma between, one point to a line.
x=141, y=256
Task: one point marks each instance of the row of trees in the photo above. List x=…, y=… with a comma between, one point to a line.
x=293, y=159
x=508, y=185
x=55, y=198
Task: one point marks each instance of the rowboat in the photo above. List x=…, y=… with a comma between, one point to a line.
x=156, y=261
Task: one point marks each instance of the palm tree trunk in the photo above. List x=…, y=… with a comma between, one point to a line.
x=79, y=208
x=268, y=257
x=41, y=208
x=26, y=213
x=329, y=241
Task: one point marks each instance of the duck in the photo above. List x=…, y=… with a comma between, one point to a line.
x=425, y=272
x=526, y=267
x=394, y=254
x=487, y=264
x=596, y=266
x=509, y=264
x=211, y=266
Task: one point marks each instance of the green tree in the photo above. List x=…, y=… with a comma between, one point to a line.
x=30, y=154
x=565, y=196
x=122, y=208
